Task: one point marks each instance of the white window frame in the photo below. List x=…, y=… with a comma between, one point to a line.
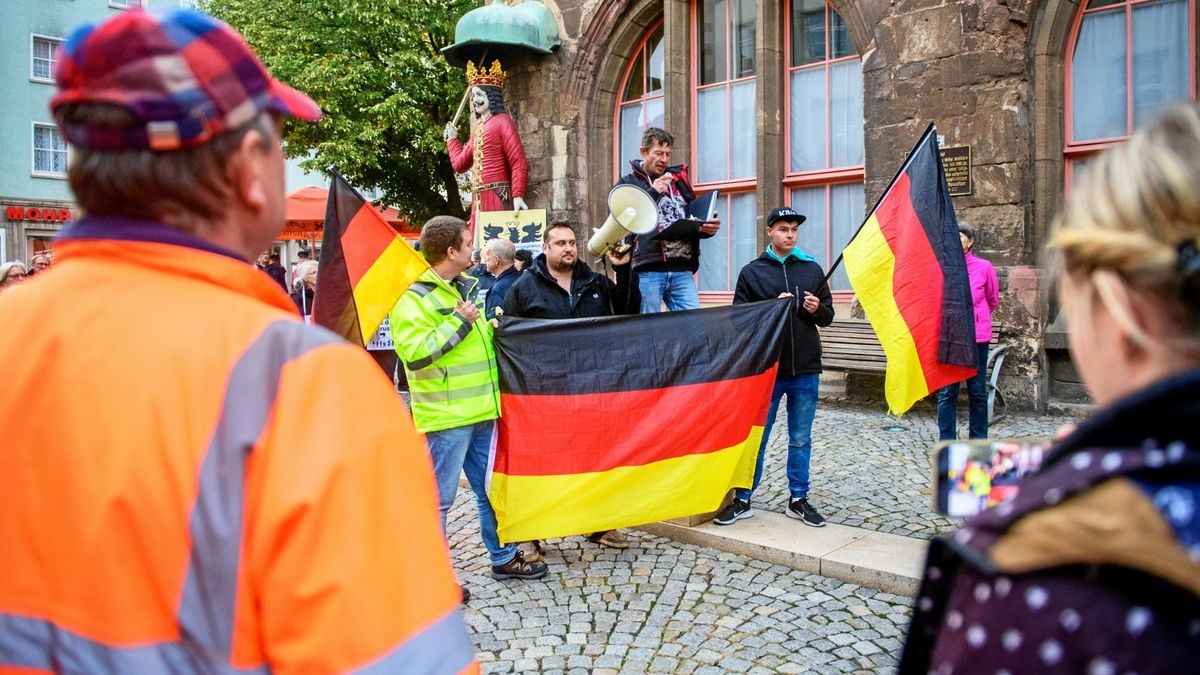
x=33, y=150
x=126, y=4
x=33, y=40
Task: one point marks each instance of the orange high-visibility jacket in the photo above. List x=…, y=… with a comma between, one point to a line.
x=192, y=480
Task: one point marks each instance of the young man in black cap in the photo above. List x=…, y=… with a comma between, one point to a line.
x=784, y=270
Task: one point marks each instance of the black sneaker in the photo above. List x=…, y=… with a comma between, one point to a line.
x=800, y=509
x=736, y=510
x=466, y=594
x=519, y=568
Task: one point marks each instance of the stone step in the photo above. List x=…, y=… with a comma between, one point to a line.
x=887, y=562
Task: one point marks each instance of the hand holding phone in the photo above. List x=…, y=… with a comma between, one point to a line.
x=970, y=476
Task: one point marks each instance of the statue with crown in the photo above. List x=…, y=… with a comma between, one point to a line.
x=494, y=156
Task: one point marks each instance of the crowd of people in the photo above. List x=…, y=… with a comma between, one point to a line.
x=15, y=272
x=257, y=497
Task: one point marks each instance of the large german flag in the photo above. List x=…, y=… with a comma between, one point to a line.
x=365, y=266
x=907, y=267
x=628, y=420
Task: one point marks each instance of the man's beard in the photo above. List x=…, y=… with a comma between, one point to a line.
x=562, y=265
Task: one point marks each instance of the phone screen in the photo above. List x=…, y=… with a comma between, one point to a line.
x=970, y=476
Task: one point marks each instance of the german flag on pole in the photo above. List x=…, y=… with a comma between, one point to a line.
x=626, y=420
x=365, y=266
x=907, y=267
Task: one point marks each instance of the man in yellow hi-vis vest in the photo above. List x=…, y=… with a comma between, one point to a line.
x=445, y=343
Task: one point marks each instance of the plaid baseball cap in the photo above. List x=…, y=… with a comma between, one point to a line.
x=185, y=75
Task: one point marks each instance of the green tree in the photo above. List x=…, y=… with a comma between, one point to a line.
x=376, y=69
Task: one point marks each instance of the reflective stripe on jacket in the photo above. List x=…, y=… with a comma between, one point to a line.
x=450, y=362
x=191, y=480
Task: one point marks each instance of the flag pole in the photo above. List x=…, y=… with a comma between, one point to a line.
x=931, y=129
x=461, y=105
x=332, y=169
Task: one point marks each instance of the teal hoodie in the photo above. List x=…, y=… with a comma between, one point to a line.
x=796, y=251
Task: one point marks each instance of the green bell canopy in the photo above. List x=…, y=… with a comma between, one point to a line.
x=501, y=29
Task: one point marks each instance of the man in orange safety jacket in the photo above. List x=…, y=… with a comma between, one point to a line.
x=192, y=479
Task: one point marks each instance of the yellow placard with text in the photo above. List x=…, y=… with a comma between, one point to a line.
x=523, y=228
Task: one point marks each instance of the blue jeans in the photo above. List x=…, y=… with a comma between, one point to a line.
x=801, y=391
x=947, y=402
x=677, y=289
x=466, y=450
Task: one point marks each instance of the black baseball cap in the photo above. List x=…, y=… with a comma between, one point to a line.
x=784, y=213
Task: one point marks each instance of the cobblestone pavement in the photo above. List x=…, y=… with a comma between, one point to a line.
x=865, y=476
x=660, y=606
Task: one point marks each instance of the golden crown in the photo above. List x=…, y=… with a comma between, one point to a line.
x=492, y=77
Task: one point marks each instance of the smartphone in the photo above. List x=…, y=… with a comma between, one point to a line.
x=970, y=476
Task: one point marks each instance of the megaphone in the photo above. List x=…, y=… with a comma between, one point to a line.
x=630, y=211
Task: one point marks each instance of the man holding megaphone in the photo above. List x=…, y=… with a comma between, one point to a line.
x=666, y=268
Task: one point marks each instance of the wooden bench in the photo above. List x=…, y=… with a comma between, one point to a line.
x=850, y=345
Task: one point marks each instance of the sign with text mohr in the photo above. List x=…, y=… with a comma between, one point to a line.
x=37, y=214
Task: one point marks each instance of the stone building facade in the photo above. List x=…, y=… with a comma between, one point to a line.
x=1030, y=86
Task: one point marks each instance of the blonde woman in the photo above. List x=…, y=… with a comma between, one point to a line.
x=12, y=274
x=1094, y=567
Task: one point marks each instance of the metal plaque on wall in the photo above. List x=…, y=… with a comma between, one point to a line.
x=957, y=161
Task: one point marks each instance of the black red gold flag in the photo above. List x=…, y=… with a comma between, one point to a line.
x=907, y=267
x=365, y=266
x=626, y=420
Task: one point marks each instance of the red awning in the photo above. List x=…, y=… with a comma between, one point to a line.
x=305, y=216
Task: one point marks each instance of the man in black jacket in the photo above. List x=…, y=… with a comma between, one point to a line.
x=784, y=270
x=560, y=286
x=665, y=268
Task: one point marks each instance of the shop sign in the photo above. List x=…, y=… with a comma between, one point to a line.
x=37, y=214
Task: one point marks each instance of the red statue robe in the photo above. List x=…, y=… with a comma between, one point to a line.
x=497, y=163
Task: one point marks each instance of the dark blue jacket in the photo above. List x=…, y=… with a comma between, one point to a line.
x=499, y=289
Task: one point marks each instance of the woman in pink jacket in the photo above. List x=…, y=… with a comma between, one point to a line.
x=985, y=294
